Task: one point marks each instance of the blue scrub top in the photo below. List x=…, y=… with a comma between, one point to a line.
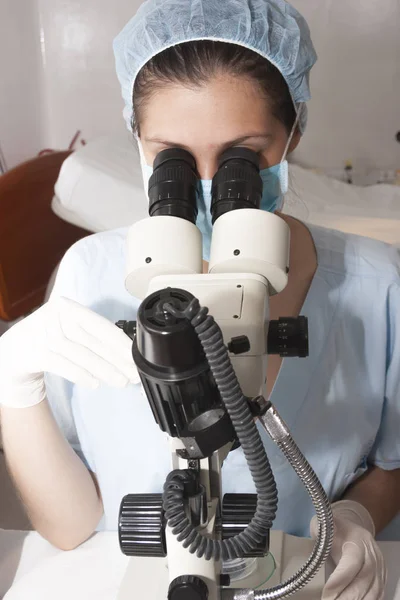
x=342, y=404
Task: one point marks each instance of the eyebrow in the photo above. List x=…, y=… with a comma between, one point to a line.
x=250, y=136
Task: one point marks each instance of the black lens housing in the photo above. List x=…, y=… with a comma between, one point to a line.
x=176, y=376
x=173, y=187
x=237, y=183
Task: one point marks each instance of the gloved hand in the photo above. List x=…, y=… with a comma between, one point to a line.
x=360, y=571
x=67, y=339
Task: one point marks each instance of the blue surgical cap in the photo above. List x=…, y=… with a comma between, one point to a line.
x=272, y=28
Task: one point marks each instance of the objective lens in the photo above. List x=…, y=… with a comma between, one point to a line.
x=173, y=185
x=237, y=183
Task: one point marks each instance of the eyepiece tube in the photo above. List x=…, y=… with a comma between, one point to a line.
x=173, y=185
x=237, y=183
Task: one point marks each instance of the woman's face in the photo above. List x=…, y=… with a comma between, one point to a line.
x=208, y=120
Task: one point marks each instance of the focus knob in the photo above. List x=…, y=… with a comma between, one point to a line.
x=141, y=525
x=188, y=587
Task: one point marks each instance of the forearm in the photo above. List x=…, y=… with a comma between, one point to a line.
x=379, y=492
x=58, y=491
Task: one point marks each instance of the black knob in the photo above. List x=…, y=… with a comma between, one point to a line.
x=188, y=587
x=224, y=580
x=128, y=327
x=141, y=525
x=288, y=337
x=239, y=345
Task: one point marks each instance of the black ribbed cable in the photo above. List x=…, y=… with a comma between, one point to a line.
x=211, y=339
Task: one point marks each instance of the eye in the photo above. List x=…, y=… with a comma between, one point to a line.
x=173, y=146
x=252, y=147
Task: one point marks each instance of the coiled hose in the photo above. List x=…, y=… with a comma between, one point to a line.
x=211, y=339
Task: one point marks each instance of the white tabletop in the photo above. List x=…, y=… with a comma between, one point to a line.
x=31, y=568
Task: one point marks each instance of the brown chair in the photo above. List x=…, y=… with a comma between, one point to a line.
x=32, y=238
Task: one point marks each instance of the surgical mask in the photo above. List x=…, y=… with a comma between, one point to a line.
x=275, y=185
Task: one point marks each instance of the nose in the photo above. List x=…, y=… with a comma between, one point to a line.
x=207, y=166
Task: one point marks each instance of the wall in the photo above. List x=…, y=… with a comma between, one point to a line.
x=355, y=109
x=81, y=86
x=22, y=108
x=354, y=113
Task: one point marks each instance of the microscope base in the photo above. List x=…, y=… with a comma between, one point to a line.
x=148, y=577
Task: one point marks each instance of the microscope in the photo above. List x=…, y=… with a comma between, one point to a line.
x=201, y=342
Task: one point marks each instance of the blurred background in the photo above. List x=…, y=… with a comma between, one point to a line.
x=57, y=77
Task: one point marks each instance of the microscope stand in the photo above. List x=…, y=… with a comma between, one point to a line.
x=148, y=577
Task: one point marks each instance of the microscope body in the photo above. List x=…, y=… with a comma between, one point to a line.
x=239, y=302
x=249, y=263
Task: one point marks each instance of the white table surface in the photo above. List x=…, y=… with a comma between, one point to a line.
x=32, y=569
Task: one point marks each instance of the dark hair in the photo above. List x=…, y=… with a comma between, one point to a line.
x=194, y=63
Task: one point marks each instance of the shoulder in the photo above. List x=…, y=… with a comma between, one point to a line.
x=356, y=257
x=105, y=250
x=94, y=267
x=99, y=246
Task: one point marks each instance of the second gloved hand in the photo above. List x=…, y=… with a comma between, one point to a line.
x=360, y=572
x=69, y=340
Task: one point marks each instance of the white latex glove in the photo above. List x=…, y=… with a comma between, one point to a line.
x=67, y=339
x=360, y=571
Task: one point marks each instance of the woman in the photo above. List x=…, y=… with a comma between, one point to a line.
x=205, y=76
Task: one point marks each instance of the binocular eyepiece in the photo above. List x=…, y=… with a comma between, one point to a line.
x=174, y=187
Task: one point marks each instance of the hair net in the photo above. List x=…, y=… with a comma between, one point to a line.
x=272, y=28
